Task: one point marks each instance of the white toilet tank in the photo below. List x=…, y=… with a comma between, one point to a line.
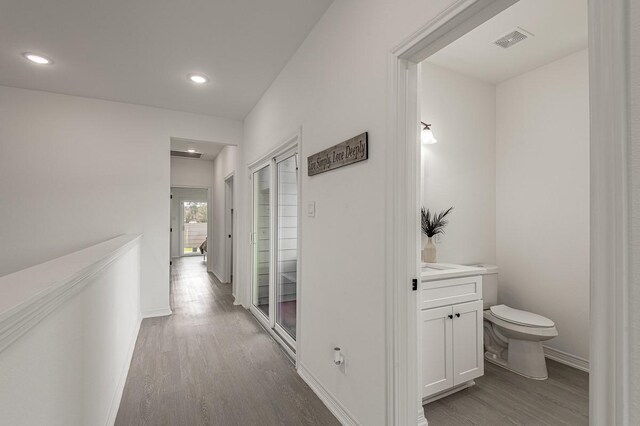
x=489, y=285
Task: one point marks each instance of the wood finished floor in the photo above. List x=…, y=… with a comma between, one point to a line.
x=211, y=363
x=501, y=397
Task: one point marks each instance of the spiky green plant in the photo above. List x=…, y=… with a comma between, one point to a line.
x=434, y=224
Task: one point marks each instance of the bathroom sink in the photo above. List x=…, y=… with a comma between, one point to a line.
x=438, y=271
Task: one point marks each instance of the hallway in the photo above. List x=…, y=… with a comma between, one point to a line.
x=210, y=363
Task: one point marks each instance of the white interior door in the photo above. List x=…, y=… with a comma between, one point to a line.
x=228, y=211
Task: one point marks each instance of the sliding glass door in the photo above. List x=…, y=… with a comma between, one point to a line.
x=262, y=239
x=286, y=271
x=275, y=245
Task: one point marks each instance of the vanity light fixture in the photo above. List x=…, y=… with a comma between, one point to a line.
x=37, y=59
x=191, y=150
x=426, y=136
x=198, y=78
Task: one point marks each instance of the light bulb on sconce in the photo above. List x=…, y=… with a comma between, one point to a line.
x=426, y=136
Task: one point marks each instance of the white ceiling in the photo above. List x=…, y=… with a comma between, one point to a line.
x=559, y=28
x=209, y=150
x=140, y=51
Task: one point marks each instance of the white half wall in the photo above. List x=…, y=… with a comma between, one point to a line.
x=460, y=170
x=542, y=210
x=334, y=88
x=71, y=367
x=223, y=165
x=75, y=171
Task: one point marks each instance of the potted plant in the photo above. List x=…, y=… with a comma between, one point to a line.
x=432, y=225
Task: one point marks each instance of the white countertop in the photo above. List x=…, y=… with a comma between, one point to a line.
x=439, y=271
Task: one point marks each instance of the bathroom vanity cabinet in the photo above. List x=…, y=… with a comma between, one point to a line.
x=451, y=331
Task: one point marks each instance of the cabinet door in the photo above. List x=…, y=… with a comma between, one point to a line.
x=437, y=356
x=468, y=359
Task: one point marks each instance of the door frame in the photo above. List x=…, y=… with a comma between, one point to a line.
x=289, y=144
x=610, y=181
x=209, y=219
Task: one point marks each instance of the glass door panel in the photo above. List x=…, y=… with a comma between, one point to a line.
x=262, y=239
x=287, y=245
x=194, y=227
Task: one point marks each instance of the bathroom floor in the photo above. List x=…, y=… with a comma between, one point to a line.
x=501, y=397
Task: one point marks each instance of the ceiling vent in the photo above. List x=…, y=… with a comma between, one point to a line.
x=515, y=36
x=186, y=154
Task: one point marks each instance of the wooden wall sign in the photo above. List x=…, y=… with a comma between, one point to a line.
x=348, y=152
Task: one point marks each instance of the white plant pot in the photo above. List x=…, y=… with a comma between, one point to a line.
x=429, y=254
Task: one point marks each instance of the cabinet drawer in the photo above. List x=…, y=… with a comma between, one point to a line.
x=450, y=291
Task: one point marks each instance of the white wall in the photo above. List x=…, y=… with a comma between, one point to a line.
x=634, y=203
x=335, y=87
x=223, y=165
x=75, y=171
x=191, y=172
x=460, y=170
x=71, y=367
x=179, y=195
x=542, y=197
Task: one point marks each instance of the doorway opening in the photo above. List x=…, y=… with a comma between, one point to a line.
x=189, y=221
x=486, y=156
x=609, y=114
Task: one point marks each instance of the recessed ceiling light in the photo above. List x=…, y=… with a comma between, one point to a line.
x=37, y=59
x=198, y=78
x=191, y=150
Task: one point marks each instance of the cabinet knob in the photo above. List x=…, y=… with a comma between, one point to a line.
x=450, y=316
x=458, y=315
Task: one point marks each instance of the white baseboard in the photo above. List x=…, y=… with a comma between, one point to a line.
x=117, y=396
x=341, y=413
x=215, y=274
x=162, y=312
x=566, y=358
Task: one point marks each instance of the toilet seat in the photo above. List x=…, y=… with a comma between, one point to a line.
x=522, y=318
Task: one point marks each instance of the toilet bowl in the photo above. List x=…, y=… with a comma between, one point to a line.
x=513, y=339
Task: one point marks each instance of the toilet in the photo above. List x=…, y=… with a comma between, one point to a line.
x=513, y=338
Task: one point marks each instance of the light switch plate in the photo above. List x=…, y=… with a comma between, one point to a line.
x=311, y=209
